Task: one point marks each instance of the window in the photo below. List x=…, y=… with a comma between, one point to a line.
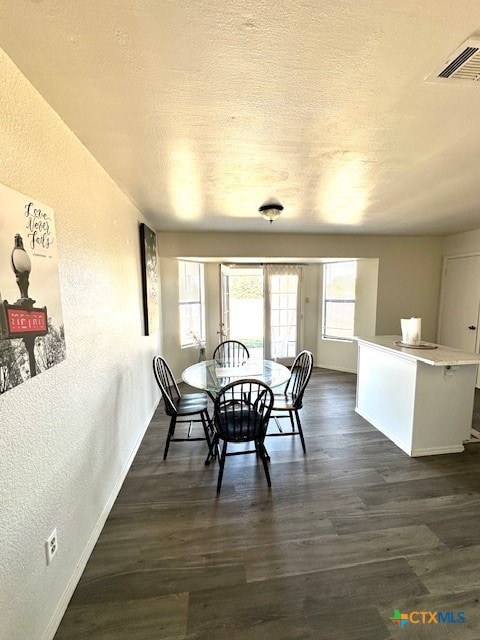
x=339, y=300
x=191, y=298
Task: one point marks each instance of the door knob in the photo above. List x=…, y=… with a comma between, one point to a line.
x=472, y=327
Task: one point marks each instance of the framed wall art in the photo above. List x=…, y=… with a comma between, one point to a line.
x=32, y=336
x=150, y=281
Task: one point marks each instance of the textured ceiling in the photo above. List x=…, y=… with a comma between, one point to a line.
x=202, y=110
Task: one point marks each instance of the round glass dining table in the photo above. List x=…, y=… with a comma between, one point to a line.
x=212, y=376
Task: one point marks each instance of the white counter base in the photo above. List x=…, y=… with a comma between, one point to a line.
x=423, y=405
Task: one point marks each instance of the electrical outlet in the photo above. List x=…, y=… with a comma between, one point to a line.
x=51, y=546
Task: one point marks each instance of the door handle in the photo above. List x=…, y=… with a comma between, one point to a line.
x=472, y=327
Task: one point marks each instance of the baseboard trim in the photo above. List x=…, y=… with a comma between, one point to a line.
x=82, y=562
x=435, y=451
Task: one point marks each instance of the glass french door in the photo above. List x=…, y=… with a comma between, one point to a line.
x=224, y=328
x=259, y=306
x=282, y=311
x=242, y=306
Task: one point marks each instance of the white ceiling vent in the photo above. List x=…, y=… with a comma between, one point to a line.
x=462, y=66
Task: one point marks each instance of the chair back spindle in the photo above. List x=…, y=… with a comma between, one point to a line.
x=299, y=377
x=231, y=353
x=242, y=410
x=169, y=388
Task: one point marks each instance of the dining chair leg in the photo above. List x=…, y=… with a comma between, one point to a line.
x=213, y=453
x=300, y=431
x=292, y=421
x=262, y=453
x=171, y=431
x=206, y=422
x=261, y=446
x=212, y=450
x=222, y=464
x=267, y=455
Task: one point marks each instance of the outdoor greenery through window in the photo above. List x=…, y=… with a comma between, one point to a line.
x=339, y=300
x=191, y=298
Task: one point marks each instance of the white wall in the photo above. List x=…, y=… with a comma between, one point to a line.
x=460, y=243
x=212, y=301
x=310, y=304
x=67, y=435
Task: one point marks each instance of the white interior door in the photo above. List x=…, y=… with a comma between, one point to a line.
x=460, y=304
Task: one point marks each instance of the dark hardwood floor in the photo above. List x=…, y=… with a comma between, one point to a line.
x=348, y=533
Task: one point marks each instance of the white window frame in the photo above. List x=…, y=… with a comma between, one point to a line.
x=331, y=336
x=198, y=333
x=281, y=270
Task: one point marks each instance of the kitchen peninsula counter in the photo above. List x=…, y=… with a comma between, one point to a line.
x=422, y=399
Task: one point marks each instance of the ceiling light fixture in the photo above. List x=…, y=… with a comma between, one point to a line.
x=271, y=210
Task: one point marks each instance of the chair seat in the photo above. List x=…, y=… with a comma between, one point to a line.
x=187, y=407
x=194, y=397
x=284, y=402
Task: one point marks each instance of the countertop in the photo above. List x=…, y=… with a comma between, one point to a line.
x=442, y=356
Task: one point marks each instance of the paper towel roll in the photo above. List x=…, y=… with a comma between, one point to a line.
x=411, y=330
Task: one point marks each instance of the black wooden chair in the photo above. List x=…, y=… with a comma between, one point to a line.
x=231, y=353
x=242, y=410
x=288, y=403
x=181, y=408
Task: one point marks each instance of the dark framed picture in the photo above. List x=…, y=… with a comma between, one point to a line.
x=150, y=283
